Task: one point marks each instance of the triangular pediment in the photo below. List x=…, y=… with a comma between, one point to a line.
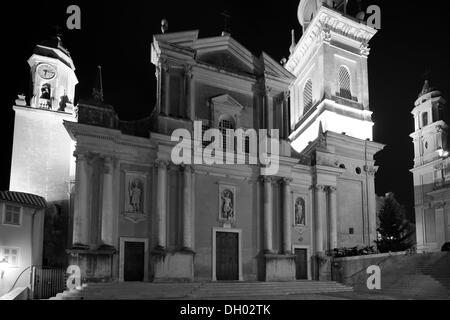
x=273, y=68
x=227, y=101
x=227, y=54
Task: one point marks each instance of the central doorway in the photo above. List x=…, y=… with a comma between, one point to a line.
x=301, y=263
x=227, y=256
x=134, y=260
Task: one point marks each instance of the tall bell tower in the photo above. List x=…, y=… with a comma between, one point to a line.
x=431, y=130
x=330, y=63
x=42, y=157
x=331, y=123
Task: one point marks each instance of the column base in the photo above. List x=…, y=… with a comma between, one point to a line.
x=173, y=266
x=279, y=267
x=95, y=265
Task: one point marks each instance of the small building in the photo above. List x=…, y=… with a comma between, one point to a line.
x=21, y=237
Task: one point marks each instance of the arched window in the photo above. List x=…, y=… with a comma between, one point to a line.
x=225, y=124
x=345, y=83
x=307, y=96
x=424, y=119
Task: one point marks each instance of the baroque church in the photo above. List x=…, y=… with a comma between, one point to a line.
x=131, y=214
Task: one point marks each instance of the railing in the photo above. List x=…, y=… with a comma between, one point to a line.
x=45, y=104
x=47, y=282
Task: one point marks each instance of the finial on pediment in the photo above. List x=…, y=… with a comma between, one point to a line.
x=293, y=44
x=164, y=25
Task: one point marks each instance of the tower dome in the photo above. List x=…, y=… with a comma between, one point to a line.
x=307, y=10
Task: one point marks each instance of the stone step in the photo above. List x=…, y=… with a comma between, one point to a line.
x=124, y=291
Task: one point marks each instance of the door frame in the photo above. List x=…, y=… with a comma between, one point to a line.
x=122, y=257
x=214, y=253
x=308, y=257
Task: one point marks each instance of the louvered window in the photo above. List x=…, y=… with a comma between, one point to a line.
x=345, y=83
x=307, y=97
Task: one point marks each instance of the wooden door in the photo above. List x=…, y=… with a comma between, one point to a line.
x=134, y=261
x=227, y=256
x=301, y=262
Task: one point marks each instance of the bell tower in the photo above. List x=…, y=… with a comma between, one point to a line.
x=42, y=156
x=330, y=63
x=431, y=130
x=53, y=77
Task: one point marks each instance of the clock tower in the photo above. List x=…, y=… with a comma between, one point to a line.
x=53, y=77
x=42, y=157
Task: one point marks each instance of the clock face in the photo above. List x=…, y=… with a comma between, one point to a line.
x=46, y=71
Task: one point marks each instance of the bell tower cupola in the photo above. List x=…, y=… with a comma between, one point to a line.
x=53, y=77
x=430, y=124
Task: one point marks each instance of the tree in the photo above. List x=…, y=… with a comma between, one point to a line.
x=393, y=229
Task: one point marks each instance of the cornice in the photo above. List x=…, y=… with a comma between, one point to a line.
x=329, y=24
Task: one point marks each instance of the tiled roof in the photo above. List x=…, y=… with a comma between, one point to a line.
x=24, y=199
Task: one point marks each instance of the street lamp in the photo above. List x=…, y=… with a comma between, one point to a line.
x=3, y=266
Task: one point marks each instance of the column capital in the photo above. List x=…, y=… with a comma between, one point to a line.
x=164, y=65
x=371, y=171
x=285, y=181
x=188, y=71
x=162, y=164
x=267, y=179
x=331, y=188
x=321, y=188
x=187, y=168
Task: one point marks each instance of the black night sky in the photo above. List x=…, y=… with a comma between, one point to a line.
x=117, y=35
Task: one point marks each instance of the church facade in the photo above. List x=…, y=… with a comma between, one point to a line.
x=133, y=215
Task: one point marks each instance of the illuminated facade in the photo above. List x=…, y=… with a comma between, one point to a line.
x=135, y=216
x=431, y=170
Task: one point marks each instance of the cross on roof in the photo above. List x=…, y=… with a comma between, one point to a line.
x=58, y=30
x=227, y=17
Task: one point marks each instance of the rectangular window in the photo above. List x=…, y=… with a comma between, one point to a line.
x=11, y=255
x=12, y=215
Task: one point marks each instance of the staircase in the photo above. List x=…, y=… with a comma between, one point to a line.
x=421, y=276
x=202, y=291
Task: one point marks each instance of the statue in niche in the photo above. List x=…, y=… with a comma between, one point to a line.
x=63, y=103
x=135, y=190
x=227, y=205
x=300, y=212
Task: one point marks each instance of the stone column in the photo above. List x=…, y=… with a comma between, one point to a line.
x=81, y=222
x=287, y=215
x=333, y=217
x=161, y=203
x=166, y=108
x=320, y=213
x=108, y=202
x=187, y=206
x=371, y=205
x=268, y=214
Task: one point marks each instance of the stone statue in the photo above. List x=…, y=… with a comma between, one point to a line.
x=227, y=205
x=135, y=193
x=300, y=218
